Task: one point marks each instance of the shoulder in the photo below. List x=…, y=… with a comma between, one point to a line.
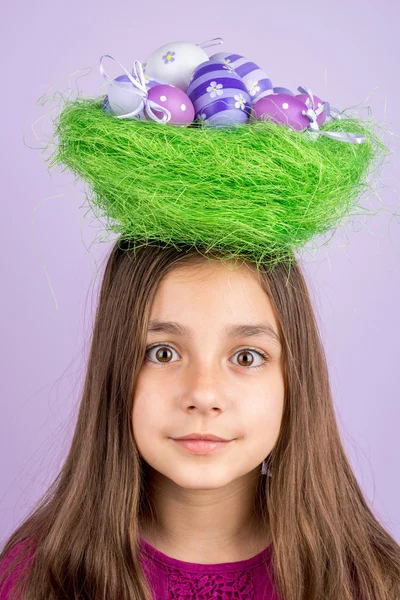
x=13, y=564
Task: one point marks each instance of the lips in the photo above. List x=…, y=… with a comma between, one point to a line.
x=202, y=436
x=201, y=446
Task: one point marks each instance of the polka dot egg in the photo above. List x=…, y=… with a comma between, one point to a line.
x=257, y=82
x=317, y=103
x=219, y=95
x=176, y=101
x=282, y=109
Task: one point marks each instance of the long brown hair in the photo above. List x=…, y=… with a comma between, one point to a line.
x=327, y=543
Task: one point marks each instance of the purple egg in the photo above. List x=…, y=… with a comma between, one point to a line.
x=176, y=101
x=282, y=109
x=219, y=95
x=317, y=103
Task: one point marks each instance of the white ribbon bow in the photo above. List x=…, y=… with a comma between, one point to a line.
x=138, y=81
x=312, y=113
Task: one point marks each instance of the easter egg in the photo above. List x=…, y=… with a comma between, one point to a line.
x=219, y=95
x=176, y=101
x=282, y=109
x=125, y=97
x=317, y=103
x=258, y=84
x=174, y=63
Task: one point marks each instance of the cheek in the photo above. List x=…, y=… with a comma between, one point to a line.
x=147, y=420
x=261, y=428
x=263, y=411
x=266, y=393
x=264, y=418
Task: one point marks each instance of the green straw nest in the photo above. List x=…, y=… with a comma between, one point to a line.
x=260, y=191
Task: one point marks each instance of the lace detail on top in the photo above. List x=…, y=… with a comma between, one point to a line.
x=220, y=586
x=221, y=581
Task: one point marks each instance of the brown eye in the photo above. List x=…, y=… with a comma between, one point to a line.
x=159, y=354
x=163, y=354
x=246, y=362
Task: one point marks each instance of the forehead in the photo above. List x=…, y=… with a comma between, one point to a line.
x=214, y=294
x=223, y=277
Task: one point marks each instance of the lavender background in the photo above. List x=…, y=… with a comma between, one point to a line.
x=345, y=52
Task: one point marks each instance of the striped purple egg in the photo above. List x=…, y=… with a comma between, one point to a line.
x=258, y=84
x=219, y=95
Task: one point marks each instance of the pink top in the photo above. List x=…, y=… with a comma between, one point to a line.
x=172, y=579
x=18, y=570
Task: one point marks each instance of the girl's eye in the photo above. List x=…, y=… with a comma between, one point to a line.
x=163, y=355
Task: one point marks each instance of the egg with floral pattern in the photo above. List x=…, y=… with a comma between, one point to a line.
x=174, y=63
x=282, y=109
x=257, y=82
x=317, y=103
x=176, y=101
x=219, y=95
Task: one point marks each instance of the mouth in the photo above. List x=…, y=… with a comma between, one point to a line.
x=202, y=436
x=201, y=446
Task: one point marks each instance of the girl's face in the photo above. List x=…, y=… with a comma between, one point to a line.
x=207, y=379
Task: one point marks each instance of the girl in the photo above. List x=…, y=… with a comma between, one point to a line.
x=205, y=328
x=133, y=508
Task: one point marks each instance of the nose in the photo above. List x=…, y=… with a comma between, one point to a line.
x=205, y=387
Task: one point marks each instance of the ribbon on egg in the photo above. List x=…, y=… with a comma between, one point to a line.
x=138, y=81
x=313, y=128
x=211, y=43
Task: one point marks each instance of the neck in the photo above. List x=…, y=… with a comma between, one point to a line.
x=204, y=525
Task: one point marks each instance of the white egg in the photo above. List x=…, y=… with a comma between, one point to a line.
x=123, y=98
x=175, y=63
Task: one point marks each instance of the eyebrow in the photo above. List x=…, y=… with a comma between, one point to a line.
x=257, y=330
